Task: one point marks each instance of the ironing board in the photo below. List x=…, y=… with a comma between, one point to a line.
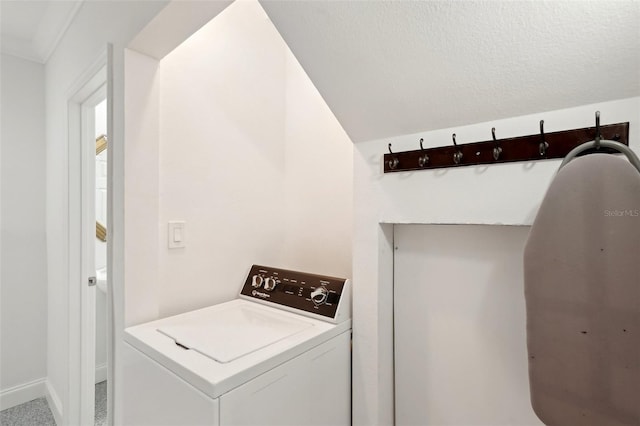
x=582, y=290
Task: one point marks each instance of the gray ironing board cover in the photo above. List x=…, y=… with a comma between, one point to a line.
x=582, y=291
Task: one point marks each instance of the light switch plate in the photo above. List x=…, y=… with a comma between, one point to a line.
x=177, y=234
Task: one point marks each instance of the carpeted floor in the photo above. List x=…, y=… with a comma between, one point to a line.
x=32, y=413
x=37, y=412
x=101, y=403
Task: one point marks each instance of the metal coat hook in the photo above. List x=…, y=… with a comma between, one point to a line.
x=497, y=150
x=457, y=156
x=598, y=136
x=542, y=148
x=423, y=159
x=393, y=163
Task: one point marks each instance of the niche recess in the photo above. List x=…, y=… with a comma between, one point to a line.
x=459, y=325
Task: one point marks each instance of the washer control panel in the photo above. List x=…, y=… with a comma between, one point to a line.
x=315, y=294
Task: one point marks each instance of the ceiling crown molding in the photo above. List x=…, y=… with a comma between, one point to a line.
x=53, y=27
x=19, y=47
x=47, y=34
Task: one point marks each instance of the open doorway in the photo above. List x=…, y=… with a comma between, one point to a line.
x=89, y=343
x=94, y=347
x=100, y=261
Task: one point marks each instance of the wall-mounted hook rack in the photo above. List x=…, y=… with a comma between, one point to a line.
x=541, y=146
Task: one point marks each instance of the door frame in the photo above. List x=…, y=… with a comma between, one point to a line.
x=89, y=87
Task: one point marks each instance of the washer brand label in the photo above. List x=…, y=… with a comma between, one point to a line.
x=257, y=293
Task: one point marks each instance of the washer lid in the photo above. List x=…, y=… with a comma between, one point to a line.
x=230, y=334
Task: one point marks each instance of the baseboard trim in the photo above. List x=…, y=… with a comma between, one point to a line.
x=54, y=403
x=101, y=372
x=22, y=393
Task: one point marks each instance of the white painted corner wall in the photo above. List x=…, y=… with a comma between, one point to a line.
x=23, y=262
x=222, y=159
x=506, y=194
x=249, y=156
x=141, y=151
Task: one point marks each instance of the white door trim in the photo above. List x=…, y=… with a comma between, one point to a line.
x=89, y=88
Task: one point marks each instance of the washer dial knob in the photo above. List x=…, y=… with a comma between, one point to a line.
x=270, y=284
x=256, y=281
x=319, y=295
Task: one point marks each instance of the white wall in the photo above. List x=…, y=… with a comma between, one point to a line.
x=249, y=156
x=460, y=326
x=318, y=181
x=23, y=263
x=141, y=188
x=222, y=159
x=96, y=24
x=498, y=194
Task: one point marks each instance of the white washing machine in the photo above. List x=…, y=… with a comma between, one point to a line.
x=280, y=354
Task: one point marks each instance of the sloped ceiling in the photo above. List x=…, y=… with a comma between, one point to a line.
x=396, y=67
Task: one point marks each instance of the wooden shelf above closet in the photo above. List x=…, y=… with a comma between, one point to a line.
x=540, y=146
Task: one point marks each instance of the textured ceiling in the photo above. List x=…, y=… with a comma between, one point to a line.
x=388, y=67
x=31, y=29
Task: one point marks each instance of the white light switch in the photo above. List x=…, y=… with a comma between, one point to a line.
x=176, y=234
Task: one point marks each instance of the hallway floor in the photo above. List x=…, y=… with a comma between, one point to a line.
x=37, y=412
x=30, y=413
x=101, y=404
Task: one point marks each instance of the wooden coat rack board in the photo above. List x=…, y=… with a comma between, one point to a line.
x=542, y=146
